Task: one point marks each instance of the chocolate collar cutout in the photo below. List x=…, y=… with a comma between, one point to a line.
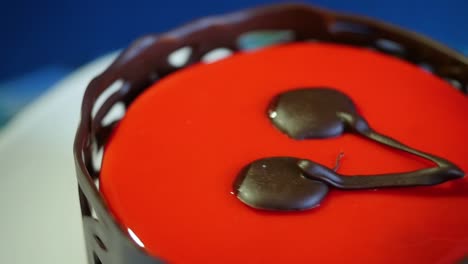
x=288, y=183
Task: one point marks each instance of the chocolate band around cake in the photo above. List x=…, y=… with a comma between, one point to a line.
x=146, y=61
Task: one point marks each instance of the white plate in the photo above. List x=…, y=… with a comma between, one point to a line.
x=40, y=220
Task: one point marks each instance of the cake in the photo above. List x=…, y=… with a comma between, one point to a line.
x=283, y=134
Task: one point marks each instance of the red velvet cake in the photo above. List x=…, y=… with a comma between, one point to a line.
x=304, y=152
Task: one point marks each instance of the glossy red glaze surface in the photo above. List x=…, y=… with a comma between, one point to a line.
x=169, y=167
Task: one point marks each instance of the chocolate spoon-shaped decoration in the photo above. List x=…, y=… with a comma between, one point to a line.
x=287, y=183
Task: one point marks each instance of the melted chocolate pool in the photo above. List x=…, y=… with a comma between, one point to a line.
x=289, y=183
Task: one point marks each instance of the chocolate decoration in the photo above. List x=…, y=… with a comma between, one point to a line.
x=310, y=113
x=146, y=61
x=424, y=177
x=322, y=113
x=278, y=184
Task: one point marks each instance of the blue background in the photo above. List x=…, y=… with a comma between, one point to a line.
x=41, y=41
x=70, y=33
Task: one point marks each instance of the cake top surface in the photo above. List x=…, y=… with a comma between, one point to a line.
x=169, y=167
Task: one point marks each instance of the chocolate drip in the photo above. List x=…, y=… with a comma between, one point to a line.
x=323, y=113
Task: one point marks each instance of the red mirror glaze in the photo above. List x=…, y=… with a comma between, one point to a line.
x=168, y=169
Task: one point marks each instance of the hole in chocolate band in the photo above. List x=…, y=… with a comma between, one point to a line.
x=180, y=57
x=455, y=83
x=426, y=67
x=390, y=46
x=135, y=238
x=216, y=55
x=93, y=214
x=96, y=183
x=348, y=27
x=96, y=157
x=259, y=39
x=99, y=242
x=112, y=89
x=115, y=114
x=96, y=259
